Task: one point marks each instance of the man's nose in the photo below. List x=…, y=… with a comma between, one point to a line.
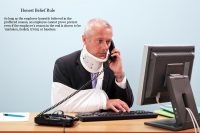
x=105, y=45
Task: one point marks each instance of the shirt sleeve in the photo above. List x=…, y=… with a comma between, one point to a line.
x=121, y=84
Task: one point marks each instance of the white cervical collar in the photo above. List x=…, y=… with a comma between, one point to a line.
x=90, y=62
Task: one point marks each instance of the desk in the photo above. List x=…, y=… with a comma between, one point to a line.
x=120, y=126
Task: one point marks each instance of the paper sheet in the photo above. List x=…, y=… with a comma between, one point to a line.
x=14, y=116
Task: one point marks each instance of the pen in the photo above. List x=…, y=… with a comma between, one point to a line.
x=14, y=115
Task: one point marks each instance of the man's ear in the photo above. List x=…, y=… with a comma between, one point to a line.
x=84, y=39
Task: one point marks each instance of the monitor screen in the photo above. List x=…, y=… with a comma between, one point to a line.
x=166, y=72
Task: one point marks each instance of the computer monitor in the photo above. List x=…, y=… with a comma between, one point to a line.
x=166, y=70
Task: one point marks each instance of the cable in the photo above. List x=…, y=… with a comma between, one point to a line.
x=195, y=120
x=157, y=100
x=195, y=123
x=197, y=126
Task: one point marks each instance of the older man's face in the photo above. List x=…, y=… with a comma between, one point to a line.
x=98, y=42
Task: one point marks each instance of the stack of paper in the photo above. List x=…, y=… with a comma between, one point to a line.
x=168, y=111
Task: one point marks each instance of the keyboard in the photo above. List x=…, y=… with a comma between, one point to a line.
x=105, y=116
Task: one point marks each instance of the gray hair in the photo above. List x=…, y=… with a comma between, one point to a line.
x=94, y=23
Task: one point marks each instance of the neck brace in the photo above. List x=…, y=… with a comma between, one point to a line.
x=91, y=63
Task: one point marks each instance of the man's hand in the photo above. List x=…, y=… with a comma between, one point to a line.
x=116, y=66
x=117, y=105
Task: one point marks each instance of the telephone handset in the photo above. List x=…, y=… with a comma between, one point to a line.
x=112, y=46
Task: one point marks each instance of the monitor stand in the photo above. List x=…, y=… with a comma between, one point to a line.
x=181, y=97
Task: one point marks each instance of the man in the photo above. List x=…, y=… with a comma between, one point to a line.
x=110, y=90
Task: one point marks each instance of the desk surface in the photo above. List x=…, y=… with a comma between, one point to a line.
x=122, y=126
